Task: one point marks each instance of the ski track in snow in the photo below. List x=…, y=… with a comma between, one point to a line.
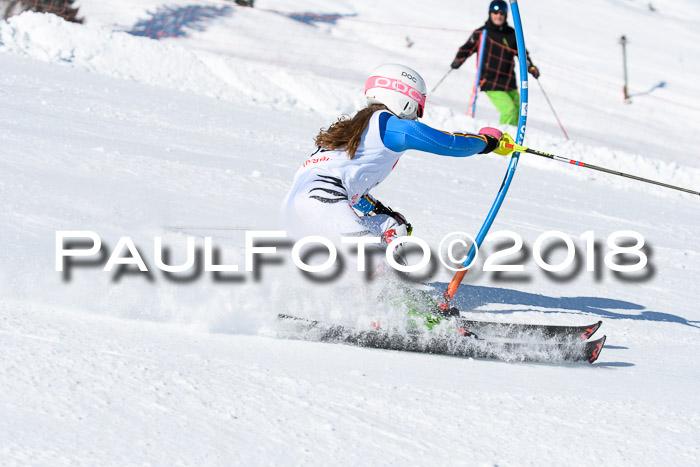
x=127, y=136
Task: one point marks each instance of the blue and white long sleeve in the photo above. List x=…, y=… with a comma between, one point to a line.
x=400, y=135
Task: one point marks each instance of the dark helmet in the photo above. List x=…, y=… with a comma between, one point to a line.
x=499, y=5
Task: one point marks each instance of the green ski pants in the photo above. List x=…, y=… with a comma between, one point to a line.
x=508, y=103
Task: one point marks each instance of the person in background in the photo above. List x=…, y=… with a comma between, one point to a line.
x=498, y=71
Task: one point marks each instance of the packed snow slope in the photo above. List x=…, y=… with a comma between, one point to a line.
x=199, y=135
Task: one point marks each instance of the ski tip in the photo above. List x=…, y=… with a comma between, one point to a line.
x=590, y=330
x=594, y=349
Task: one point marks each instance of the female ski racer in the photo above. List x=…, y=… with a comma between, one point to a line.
x=331, y=191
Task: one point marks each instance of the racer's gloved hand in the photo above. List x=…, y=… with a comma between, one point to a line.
x=400, y=218
x=493, y=138
x=456, y=63
x=534, y=71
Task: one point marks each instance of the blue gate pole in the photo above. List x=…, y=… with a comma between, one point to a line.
x=510, y=172
x=478, y=71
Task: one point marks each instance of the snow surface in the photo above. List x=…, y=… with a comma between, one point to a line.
x=200, y=136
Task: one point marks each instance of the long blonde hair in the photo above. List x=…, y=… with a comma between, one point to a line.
x=346, y=133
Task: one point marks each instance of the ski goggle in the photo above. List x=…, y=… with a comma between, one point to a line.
x=497, y=8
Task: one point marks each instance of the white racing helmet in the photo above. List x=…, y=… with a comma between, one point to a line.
x=400, y=88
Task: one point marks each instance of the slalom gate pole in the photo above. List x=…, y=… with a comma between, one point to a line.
x=552, y=107
x=510, y=173
x=479, y=67
x=441, y=80
x=623, y=43
x=507, y=143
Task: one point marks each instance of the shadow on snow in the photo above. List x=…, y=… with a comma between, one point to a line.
x=471, y=297
x=659, y=85
x=312, y=19
x=174, y=22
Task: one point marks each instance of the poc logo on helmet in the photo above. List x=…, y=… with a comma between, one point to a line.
x=403, y=73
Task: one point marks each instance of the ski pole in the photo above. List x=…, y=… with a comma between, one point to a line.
x=508, y=146
x=552, y=107
x=441, y=80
